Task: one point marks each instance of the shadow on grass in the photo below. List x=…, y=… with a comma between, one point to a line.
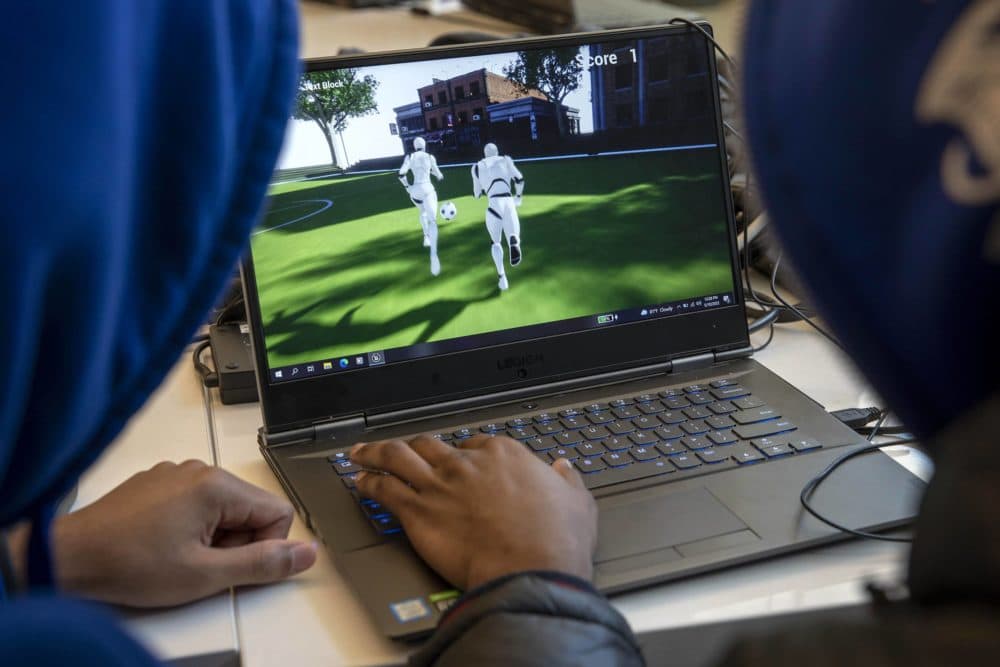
x=660, y=227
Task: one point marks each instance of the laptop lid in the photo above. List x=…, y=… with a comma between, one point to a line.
x=626, y=235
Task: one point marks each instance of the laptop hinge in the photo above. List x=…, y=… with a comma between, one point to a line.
x=693, y=362
x=325, y=430
x=729, y=355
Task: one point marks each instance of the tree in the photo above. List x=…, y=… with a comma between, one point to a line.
x=333, y=97
x=555, y=72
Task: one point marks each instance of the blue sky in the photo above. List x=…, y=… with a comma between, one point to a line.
x=369, y=137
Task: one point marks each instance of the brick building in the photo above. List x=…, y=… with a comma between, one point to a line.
x=457, y=112
x=659, y=83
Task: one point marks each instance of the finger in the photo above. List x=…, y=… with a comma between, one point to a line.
x=388, y=491
x=241, y=506
x=257, y=563
x=565, y=469
x=432, y=450
x=395, y=457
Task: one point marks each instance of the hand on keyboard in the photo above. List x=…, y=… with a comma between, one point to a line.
x=483, y=509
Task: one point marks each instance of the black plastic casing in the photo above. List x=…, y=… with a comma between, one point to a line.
x=525, y=364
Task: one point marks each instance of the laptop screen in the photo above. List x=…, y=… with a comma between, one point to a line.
x=451, y=203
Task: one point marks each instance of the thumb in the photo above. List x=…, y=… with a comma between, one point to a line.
x=566, y=470
x=260, y=562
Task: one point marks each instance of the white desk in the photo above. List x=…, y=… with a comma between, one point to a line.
x=315, y=618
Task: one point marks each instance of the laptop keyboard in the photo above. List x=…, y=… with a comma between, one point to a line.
x=676, y=433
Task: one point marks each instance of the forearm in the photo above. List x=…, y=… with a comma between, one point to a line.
x=532, y=619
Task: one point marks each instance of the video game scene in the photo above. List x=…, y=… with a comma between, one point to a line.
x=444, y=199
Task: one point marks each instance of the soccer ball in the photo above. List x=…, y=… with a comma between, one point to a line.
x=448, y=210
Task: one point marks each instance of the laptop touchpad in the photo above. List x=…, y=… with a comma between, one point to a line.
x=653, y=519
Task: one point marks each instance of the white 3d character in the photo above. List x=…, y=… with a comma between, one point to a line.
x=423, y=195
x=492, y=176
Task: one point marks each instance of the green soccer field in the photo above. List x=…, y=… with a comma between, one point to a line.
x=598, y=234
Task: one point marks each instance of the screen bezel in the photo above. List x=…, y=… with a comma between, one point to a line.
x=510, y=366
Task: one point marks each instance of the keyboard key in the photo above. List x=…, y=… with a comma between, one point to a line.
x=748, y=457
x=719, y=384
x=701, y=399
x=595, y=407
x=620, y=402
x=722, y=407
x=590, y=449
x=374, y=510
x=645, y=398
x=732, y=391
x=775, y=451
x=651, y=408
x=543, y=457
x=696, y=413
x=695, y=427
x=568, y=438
x=720, y=421
x=696, y=442
x=766, y=442
x=589, y=465
x=521, y=433
x=387, y=525
x=676, y=402
x=669, y=393
x=643, y=453
x=764, y=428
x=542, y=444
x=543, y=417
x=574, y=422
x=595, y=432
x=463, y=433
x=518, y=422
x=626, y=413
x=601, y=417
x=617, y=459
x=570, y=412
x=616, y=444
x=712, y=456
x=620, y=427
x=563, y=453
x=685, y=461
x=672, y=417
x=668, y=433
x=722, y=437
x=645, y=422
x=350, y=480
x=748, y=402
x=695, y=388
x=492, y=427
x=642, y=437
x=805, y=444
x=443, y=437
x=754, y=415
x=548, y=428
x=671, y=448
x=345, y=466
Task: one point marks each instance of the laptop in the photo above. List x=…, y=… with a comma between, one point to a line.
x=565, y=15
x=585, y=301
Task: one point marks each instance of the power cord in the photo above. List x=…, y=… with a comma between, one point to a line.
x=857, y=419
x=209, y=377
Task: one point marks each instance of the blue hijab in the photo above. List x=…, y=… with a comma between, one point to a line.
x=875, y=128
x=138, y=140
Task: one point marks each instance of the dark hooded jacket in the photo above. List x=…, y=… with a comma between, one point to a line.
x=138, y=141
x=874, y=128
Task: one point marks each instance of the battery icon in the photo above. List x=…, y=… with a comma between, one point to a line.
x=605, y=319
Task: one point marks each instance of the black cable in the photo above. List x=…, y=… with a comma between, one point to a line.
x=770, y=337
x=802, y=316
x=209, y=377
x=878, y=425
x=767, y=318
x=812, y=484
x=707, y=36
